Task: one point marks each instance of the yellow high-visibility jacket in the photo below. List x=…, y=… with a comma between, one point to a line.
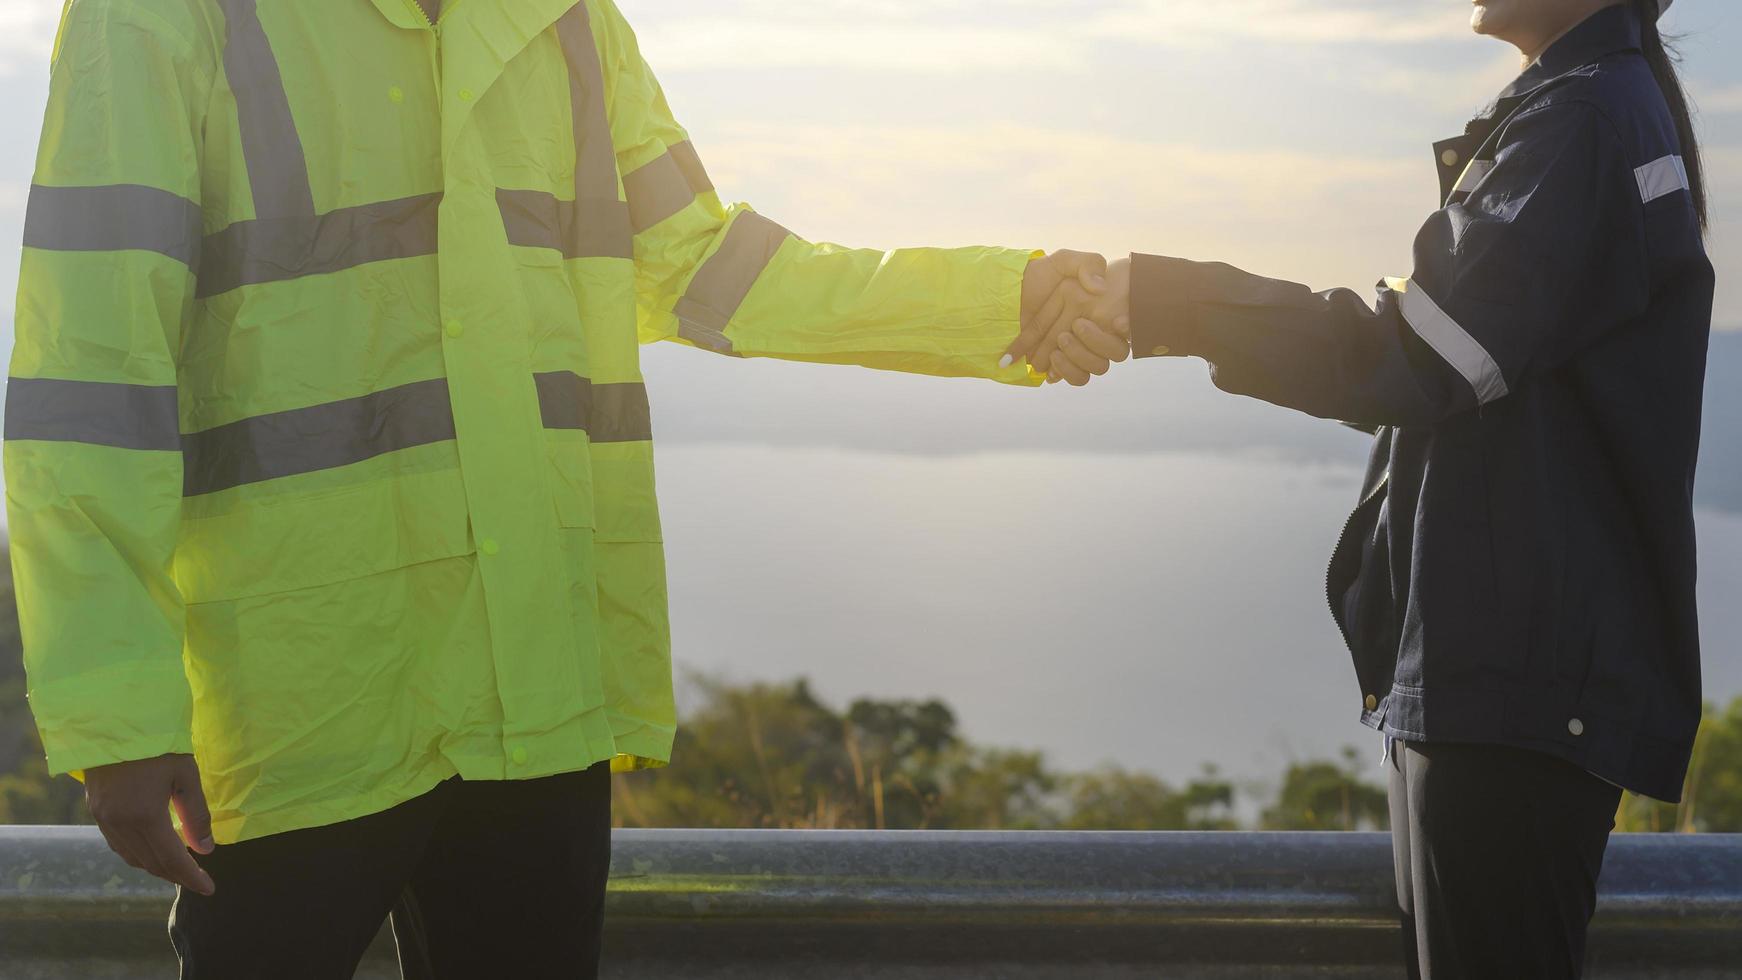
x=327, y=455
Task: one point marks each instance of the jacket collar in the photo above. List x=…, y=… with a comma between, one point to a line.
x=478, y=38
x=1603, y=33
x=400, y=13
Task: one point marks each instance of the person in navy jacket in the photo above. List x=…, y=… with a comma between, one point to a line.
x=1517, y=583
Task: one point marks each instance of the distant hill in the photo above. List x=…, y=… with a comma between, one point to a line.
x=1720, y=480
x=15, y=718
x=1156, y=406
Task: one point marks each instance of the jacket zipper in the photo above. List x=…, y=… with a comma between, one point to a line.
x=435, y=29
x=1348, y=525
x=423, y=15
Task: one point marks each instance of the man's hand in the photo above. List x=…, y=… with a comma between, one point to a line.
x=130, y=802
x=1071, y=326
x=1092, y=343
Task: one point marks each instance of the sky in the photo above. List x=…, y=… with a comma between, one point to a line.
x=1131, y=573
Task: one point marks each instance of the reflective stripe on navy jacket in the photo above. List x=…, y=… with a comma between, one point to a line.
x=1520, y=569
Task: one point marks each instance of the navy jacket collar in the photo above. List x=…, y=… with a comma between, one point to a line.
x=1605, y=32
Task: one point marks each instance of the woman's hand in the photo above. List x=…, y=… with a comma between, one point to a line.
x=1061, y=286
x=1083, y=326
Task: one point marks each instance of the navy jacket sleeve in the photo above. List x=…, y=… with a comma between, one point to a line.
x=1542, y=259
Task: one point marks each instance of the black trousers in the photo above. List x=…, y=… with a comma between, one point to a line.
x=482, y=880
x=1498, y=852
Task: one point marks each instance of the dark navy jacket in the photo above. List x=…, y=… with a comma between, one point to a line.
x=1520, y=569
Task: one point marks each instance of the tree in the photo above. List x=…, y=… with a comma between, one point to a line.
x=1328, y=796
x=1712, y=795
x=756, y=756
x=898, y=750
x=995, y=789
x=1118, y=799
x=774, y=755
x=27, y=794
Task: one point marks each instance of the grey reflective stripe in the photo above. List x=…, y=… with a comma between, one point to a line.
x=1474, y=174
x=1661, y=178
x=1451, y=341
x=596, y=223
x=322, y=437
x=609, y=412
x=252, y=252
x=621, y=413
x=664, y=187
x=277, y=169
x=533, y=218
x=725, y=279
x=600, y=216
x=287, y=239
x=565, y=399
x=319, y=437
x=124, y=416
x=590, y=229
x=113, y=218
x=690, y=162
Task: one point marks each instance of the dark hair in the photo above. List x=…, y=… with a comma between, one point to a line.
x=1662, y=56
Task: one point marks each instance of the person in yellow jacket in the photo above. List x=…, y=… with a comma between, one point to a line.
x=328, y=460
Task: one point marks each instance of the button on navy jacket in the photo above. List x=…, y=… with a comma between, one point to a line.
x=1520, y=569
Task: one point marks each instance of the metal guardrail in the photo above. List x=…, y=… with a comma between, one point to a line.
x=771, y=905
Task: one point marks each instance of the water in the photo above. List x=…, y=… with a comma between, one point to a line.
x=1156, y=610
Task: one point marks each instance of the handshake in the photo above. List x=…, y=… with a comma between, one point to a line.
x=1076, y=316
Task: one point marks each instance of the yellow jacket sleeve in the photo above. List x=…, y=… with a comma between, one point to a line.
x=92, y=455
x=730, y=280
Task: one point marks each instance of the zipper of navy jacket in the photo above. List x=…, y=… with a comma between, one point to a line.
x=1349, y=525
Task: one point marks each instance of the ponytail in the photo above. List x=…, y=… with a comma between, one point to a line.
x=1662, y=57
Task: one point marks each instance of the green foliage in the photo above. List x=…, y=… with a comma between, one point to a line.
x=27, y=794
x=1328, y=796
x=773, y=755
x=1117, y=799
x=1712, y=796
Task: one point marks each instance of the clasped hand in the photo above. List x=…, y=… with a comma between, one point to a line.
x=1076, y=316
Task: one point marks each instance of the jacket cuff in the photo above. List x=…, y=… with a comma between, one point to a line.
x=120, y=714
x=1164, y=320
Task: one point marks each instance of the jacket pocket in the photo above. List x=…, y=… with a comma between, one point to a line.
x=624, y=505
x=571, y=478
x=291, y=542
x=1358, y=588
x=1622, y=652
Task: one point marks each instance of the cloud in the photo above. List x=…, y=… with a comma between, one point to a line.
x=1019, y=184
x=1720, y=100
x=958, y=36
x=1724, y=172
x=1357, y=22
x=27, y=34
x=1464, y=88
x=885, y=36
x=711, y=44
